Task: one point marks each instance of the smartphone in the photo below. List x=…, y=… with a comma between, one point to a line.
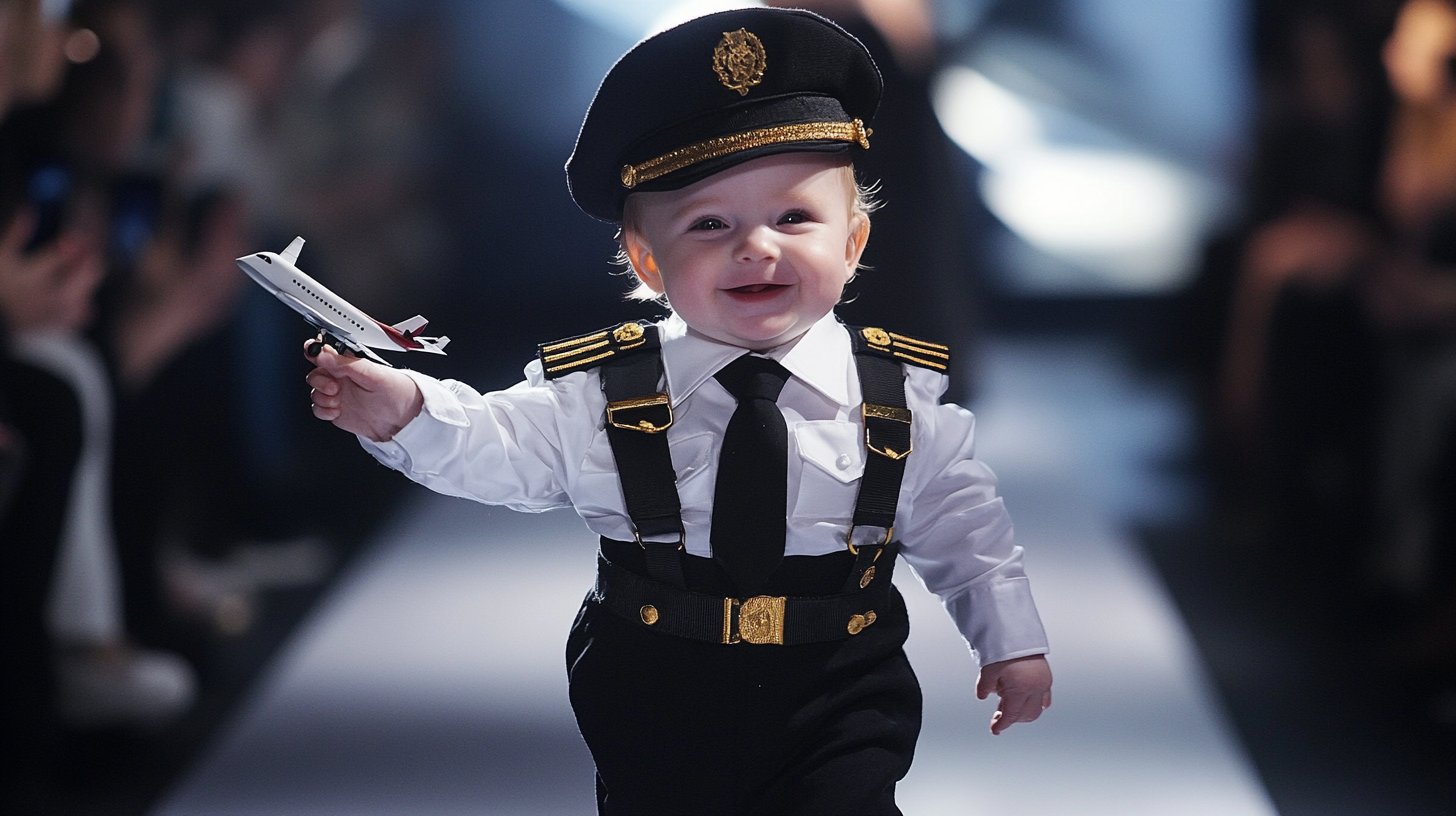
x=48, y=194
x=136, y=209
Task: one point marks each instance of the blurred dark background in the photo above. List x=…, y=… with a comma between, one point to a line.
x=1252, y=201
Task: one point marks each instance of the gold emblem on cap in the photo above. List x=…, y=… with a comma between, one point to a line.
x=627, y=332
x=739, y=60
x=877, y=337
x=649, y=614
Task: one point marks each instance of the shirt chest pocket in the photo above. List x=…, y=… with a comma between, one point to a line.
x=690, y=457
x=831, y=461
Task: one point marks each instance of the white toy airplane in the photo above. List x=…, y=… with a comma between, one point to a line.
x=339, y=323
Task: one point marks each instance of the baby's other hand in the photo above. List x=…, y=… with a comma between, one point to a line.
x=1024, y=685
x=360, y=396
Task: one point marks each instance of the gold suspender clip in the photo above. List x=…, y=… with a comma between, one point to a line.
x=682, y=537
x=889, y=534
x=869, y=411
x=643, y=425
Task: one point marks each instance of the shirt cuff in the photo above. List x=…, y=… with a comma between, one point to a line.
x=999, y=620
x=440, y=405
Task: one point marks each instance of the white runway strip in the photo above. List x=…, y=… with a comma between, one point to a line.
x=432, y=681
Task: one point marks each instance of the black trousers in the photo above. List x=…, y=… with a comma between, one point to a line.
x=679, y=726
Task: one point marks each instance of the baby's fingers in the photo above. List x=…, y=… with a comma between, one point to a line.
x=327, y=394
x=326, y=412
x=323, y=382
x=1016, y=708
x=322, y=399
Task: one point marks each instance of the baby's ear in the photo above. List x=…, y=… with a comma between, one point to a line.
x=859, y=237
x=639, y=255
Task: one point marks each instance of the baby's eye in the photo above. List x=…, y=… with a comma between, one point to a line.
x=795, y=217
x=708, y=224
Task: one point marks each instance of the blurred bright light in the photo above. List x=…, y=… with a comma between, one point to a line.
x=680, y=13
x=639, y=18
x=986, y=120
x=1074, y=200
x=1131, y=219
x=630, y=18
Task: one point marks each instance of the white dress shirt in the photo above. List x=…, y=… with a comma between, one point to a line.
x=540, y=445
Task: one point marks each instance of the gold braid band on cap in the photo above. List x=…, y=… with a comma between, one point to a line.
x=635, y=174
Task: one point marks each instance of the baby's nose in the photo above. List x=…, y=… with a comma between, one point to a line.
x=758, y=245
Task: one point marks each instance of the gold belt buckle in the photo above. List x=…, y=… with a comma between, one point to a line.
x=759, y=619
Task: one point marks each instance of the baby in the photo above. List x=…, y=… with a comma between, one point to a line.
x=752, y=465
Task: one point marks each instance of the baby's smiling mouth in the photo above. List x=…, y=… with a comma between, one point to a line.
x=756, y=288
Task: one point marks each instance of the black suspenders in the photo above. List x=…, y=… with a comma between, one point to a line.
x=639, y=412
x=887, y=443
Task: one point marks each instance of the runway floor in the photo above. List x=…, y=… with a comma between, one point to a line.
x=431, y=678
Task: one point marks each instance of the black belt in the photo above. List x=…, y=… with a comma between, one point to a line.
x=761, y=619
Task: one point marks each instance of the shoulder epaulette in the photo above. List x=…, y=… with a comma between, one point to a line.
x=922, y=353
x=589, y=350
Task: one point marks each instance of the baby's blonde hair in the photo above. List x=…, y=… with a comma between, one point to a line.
x=862, y=203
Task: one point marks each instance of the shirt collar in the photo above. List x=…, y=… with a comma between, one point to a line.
x=819, y=359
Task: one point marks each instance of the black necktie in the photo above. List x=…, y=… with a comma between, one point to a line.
x=750, y=497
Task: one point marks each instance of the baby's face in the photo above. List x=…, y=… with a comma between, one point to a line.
x=756, y=254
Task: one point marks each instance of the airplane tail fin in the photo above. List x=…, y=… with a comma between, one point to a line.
x=291, y=254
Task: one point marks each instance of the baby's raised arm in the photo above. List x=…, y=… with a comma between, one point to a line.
x=360, y=396
x=1024, y=685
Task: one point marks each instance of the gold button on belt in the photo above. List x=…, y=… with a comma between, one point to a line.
x=857, y=623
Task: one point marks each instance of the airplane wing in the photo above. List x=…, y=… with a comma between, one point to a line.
x=361, y=350
x=313, y=316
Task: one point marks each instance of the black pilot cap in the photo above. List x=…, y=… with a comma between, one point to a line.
x=717, y=91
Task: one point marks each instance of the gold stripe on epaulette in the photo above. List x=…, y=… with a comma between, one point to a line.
x=921, y=343
x=918, y=361
x=574, y=342
x=631, y=345
x=583, y=350
x=918, y=350
x=580, y=363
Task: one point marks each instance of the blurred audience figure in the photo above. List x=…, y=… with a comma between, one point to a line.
x=65, y=652
x=61, y=154
x=1300, y=380
x=1338, y=383
x=1413, y=297
x=156, y=477
x=1413, y=294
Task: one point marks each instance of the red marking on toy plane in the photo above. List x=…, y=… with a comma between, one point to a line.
x=403, y=339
